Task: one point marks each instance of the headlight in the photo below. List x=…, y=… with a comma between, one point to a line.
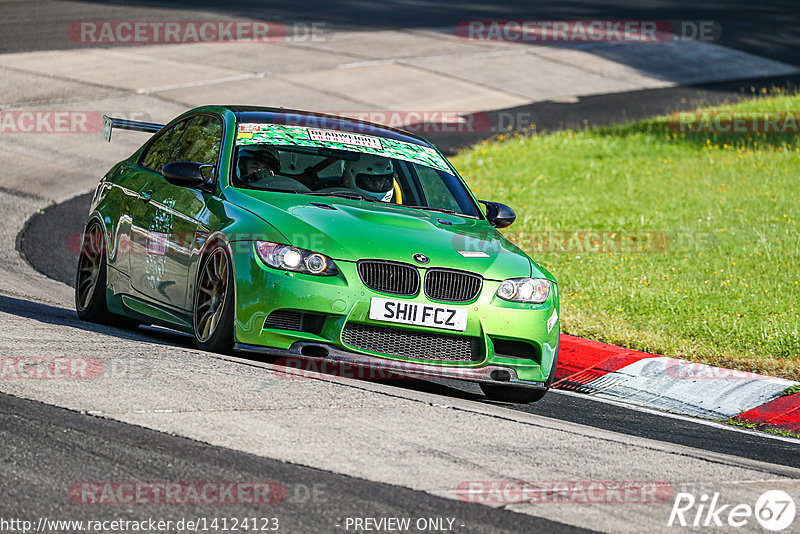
x=533, y=290
x=291, y=258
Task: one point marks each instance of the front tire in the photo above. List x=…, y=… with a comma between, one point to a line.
x=513, y=394
x=214, y=302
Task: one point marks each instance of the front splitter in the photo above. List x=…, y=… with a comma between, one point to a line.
x=392, y=367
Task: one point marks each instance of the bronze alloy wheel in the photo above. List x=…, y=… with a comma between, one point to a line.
x=212, y=293
x=90, y=266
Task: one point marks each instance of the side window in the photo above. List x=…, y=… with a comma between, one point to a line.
x=201, y=141
x=158, y=152
x=436, y=190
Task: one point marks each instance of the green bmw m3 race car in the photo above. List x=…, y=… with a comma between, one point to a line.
x=318, y=238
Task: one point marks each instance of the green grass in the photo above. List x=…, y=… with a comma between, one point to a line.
x=790, y=391
x=710, y=270
x=762, y=428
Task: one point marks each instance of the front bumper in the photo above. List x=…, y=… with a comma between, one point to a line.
x=344, y=300
x=320, y=354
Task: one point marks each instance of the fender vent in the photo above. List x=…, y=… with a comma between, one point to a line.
x=295, y=320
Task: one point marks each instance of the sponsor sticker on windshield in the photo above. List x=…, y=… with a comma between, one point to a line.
x=335, y=136
x=285, y=134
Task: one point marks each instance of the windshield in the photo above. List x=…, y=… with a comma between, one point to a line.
x=293, y=159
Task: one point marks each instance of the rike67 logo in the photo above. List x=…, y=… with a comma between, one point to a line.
x=774, y=510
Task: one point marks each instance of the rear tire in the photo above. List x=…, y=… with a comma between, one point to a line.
x=212, y=316
x=90, y=281
x=513, y=394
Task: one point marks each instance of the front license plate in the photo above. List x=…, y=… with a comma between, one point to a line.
x=416, y=313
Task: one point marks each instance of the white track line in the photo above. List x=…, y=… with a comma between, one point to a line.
x=714, y=424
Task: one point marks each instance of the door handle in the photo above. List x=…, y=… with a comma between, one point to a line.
x=146, y=196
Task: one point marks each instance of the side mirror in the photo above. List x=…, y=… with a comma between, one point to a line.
x=499, y=215
x=186, y=173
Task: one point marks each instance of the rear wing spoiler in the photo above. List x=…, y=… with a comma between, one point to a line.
x=109, y=123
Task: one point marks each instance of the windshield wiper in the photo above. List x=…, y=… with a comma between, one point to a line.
x=275, y=190
x=349, y=196
x=430, y=208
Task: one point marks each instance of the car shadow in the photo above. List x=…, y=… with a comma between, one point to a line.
x=444, y=388
x=56, y=315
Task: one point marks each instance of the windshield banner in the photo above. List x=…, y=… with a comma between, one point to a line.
x=282, y=134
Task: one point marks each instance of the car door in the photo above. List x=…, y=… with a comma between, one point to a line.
x=138, y=179
x=173, y=220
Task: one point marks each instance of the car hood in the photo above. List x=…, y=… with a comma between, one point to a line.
x=351, y=230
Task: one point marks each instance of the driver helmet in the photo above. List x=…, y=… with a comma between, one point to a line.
x=252, y=159
x=371, y=176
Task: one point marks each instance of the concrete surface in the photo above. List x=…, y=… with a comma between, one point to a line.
x=678, y=386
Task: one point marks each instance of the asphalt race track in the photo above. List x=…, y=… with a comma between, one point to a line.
x=370, y=449
x=89, y=448
x=768, y=28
